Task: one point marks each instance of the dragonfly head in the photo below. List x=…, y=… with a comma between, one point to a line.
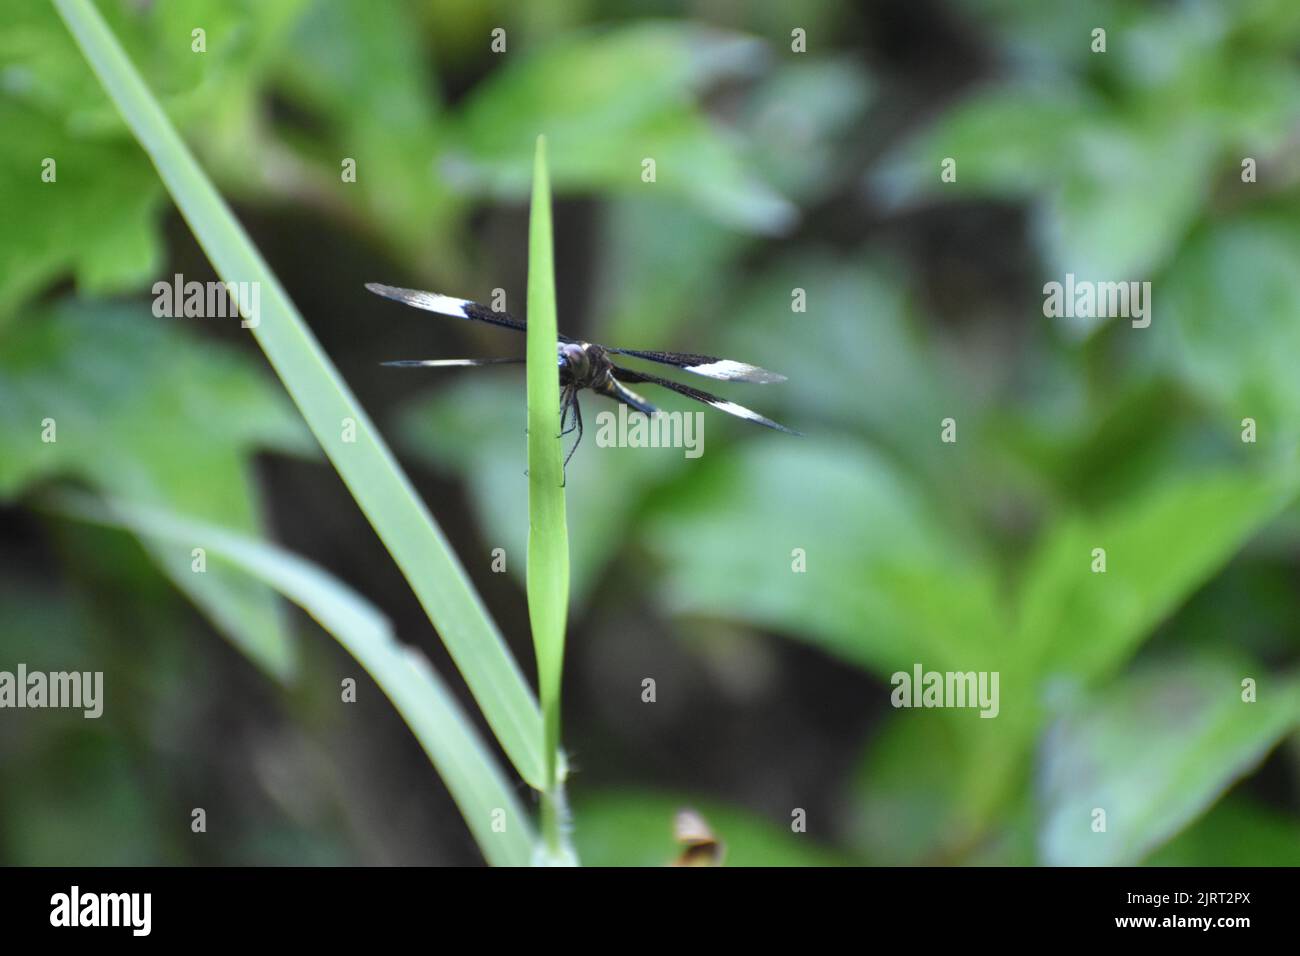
x=574, y=358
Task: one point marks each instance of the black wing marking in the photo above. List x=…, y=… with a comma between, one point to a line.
x=620, y=392
x=731, y=408
x=450, y=363
x=709, y=366
x=447, y=305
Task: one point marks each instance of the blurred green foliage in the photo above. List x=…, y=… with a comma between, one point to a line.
x=134, y=436
x=776, y=171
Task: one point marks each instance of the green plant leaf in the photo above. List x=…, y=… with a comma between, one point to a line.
x=100, y=218
x=1153, y=750
x=1237, y=832
x=366, y=465
x=148, y=413
x=485, y=797
x=1114, y=191
x=548, y=535
x=609, y=100
x=874, y=547
x=1229, y=305
x=361, y=72
x=922, y=777
x=1003, y=139
x=1161, y=544
x=897, y=389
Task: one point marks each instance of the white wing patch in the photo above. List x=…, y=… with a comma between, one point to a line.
x=433, y=363
x=726, y=370
x=452, y=363
x=430, y=301
x=740, y=411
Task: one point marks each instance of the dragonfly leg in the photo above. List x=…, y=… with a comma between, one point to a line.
x=568, y=401
x=577, y=423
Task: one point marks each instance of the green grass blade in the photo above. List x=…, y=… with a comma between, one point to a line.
x=548, y=535
x=366, y=465
x=481, y=791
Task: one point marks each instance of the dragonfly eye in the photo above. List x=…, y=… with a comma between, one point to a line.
x=573, y=357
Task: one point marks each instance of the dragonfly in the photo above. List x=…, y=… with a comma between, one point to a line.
x=588, y=365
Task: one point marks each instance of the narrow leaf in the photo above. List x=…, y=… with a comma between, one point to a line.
x=366, y=465
x=548, y=537
x=471, y=774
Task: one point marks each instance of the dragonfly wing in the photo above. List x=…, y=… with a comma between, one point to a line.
x=726, y=370
x=447, y=305
x=731, y=408
x=451, y=363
